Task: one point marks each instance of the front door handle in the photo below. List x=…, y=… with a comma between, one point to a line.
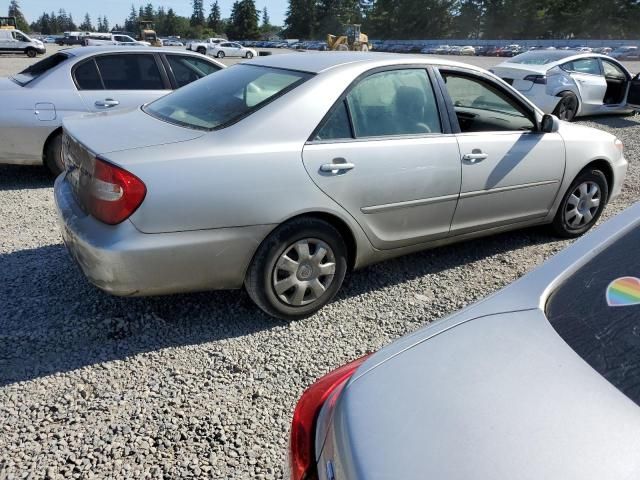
x=337, y=167
x=475, y=157
x=107, y=103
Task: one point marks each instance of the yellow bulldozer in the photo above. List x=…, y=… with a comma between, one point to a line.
x=148, y=34
x=8, y=23
x=352, y=40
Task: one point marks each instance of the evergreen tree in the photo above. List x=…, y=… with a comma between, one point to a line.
x=131, y=23
x=171, y=23
x=148, y=12
x=14, y=11
x=197, y=17
x=266, y=21
x=86, y=25
x=214, y=21
x=244, y=20
x=300, y=19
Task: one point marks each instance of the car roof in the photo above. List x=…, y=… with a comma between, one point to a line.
x=81, y=52
x=318, y=62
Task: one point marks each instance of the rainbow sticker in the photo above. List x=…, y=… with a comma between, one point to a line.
x=623, y=292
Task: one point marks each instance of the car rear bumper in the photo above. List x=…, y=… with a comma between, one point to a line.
x=123, y=261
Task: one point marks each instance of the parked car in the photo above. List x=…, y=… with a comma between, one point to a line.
x=483, y=50
x=603, y=50
x=537, y=381
x=287, y=211
x=570, y=85
x=15, y=41
x=467, y=51
x=204, y=46
x=626, y=53
x=98, y=39
x=231, y=49
x=169, y=42
x=36, y=100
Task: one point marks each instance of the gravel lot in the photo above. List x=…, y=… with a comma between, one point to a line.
x=201, y=385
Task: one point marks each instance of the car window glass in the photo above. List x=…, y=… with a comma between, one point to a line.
x=130, y=72
x=187, y=69
x=39, y=68
x=584, y=65
x=398, y=102
x=481, y=106
x=611, y=70
x=87, y=77
x=19, y=37
x=337, y=126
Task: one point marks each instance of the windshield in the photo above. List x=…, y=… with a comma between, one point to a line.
x=39, y=68
x=540, y=57
x=597, y=312
x=225, y=97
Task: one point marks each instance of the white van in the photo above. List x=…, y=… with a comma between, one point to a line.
x=13, y=41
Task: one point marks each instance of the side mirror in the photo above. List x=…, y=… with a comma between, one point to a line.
x=549, y=124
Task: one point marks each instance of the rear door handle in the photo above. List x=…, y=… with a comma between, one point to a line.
x=107, y=103
x=336, y=167
x=474, y=157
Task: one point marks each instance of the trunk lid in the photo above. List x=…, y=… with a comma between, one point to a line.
x=515, y=74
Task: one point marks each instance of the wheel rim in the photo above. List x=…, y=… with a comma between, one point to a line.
x=567, y=109
x=303, y=272
x=582, y=205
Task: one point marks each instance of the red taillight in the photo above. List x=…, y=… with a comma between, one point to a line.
x=114, y=193
x=303, y=426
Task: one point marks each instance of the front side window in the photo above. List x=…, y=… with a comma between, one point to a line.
x=611, y=70
x=483, y=106
x=187, y=69
x=223, y=98
x=590, y=66
x=130, y=72
x=397, y=102
x=19, y=37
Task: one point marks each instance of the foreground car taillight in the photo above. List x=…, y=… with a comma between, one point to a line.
x=539, y=79
x=114, y=193
x=303, y=427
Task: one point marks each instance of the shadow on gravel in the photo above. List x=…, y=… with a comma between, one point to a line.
x=618, y=121
x=52, y=320
x=17, y=177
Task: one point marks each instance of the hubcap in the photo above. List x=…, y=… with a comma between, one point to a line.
x=582, y=205
x=303, y=272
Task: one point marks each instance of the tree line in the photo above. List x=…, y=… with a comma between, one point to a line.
x=472, y=19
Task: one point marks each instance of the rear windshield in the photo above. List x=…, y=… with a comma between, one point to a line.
x=225, y=97
x=540, y=57
x=597, y=312
x=39, y=68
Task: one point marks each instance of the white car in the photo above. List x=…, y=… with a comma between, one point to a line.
x=124, y=40
x=231, y=49
x=570, y=85
x=468, y=50
x=83, y=80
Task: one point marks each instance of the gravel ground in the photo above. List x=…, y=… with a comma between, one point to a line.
x=200, y=385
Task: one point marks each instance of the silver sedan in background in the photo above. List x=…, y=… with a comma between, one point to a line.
x=539, y=381
x=80, y=80
x=284, y=173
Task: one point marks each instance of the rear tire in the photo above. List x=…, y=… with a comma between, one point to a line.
x=53, y=155
x=202, y=50
x=577, y=212
x=31, y=52
x=297, y=269
x=567, y=108
x=220, y=54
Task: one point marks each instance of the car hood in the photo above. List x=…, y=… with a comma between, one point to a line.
x=518, y=403
x=125, y=129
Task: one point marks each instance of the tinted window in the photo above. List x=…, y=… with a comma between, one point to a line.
x=611, y=70
x=187, y=69
x=87, y=77
x=585, y=65
x=18, y=36
x=130, y=72
x=398, y=102
x=39, y=68
x=481, y=106
x=336, y=126
x=606, y=337
x=225, y=97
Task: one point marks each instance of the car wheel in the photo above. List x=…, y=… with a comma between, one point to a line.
x=31, y=52
x=582, y=205
x=298, y=269
x=220, y=54
x=53, y=155
x=249, y=55
x=567, y=107
x=201, y=50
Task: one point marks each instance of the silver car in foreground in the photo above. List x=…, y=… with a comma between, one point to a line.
x=80, y=80
x=540, y=380
x=284, y=173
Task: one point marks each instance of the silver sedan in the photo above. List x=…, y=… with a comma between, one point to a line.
x=541, y=380
x=81, y=80
x=284, y=173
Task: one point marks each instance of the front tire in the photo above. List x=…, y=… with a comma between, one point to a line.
x=53, y=155
x=567, y=108
x=31, y=52
x=297, y=269
x=582, y=204
x=249, y=55
x=220, y=55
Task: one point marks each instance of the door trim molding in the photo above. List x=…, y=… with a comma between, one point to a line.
x=508, y=188
x=408, y=204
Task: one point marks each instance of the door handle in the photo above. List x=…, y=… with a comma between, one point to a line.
x=107, y=103
x=474, y=157
x=337, y=166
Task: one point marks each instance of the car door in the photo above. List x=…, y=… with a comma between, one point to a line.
x=591, y=83
x=511, y=172
x=385, y=154
x=226, y=48
x=20, y=42
x=236, y=49
x=633, y=93
x=120, y=80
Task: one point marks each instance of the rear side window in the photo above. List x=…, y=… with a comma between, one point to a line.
x=39, y=68
x=187, y=69
x=336, y=126
x=611, y=70
x=590, y=66
x=130, y=72
x=87, y=77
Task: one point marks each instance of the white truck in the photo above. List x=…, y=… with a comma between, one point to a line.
x=203, y=46
x=112, y=39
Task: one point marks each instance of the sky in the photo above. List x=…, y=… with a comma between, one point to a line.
x=117, y=10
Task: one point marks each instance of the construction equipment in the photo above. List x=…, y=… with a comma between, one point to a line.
x=148, y=34
x=8, y=23
x=352, y=40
